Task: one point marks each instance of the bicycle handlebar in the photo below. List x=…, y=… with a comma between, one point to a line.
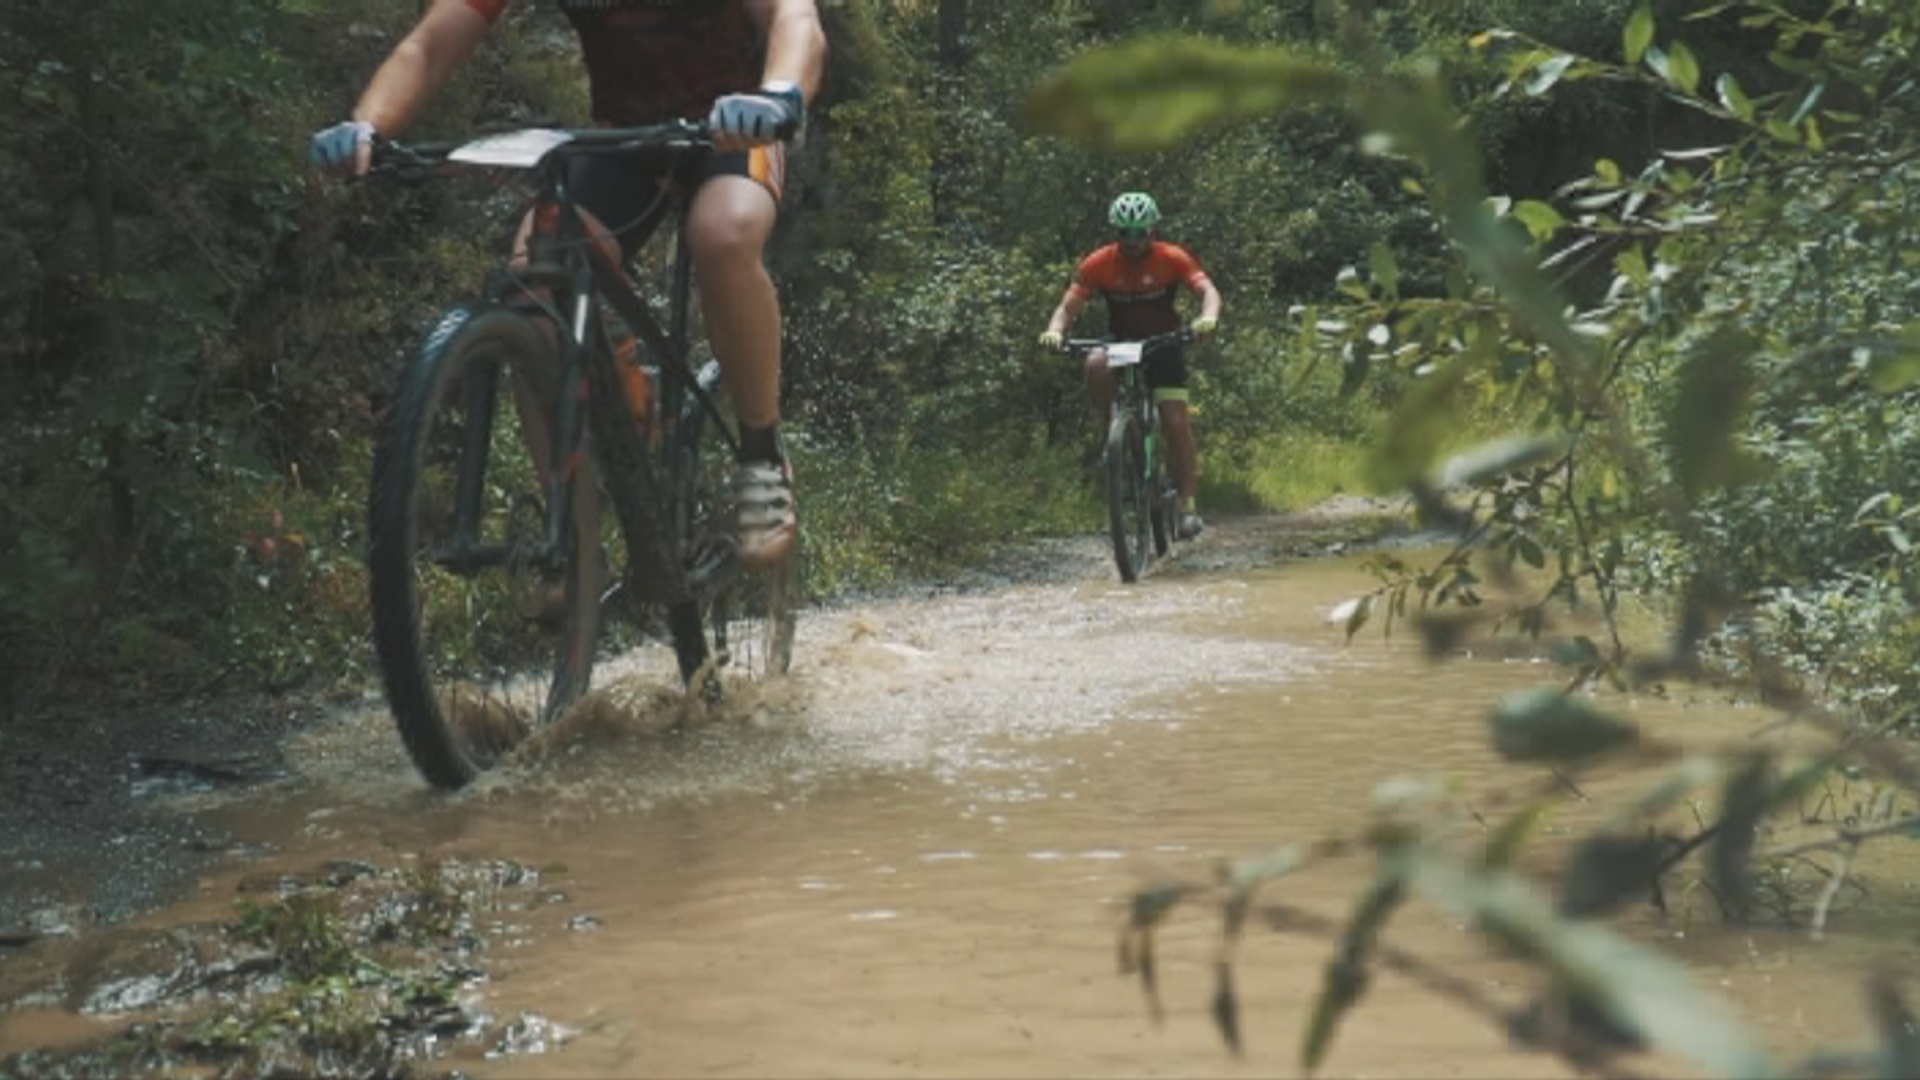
x=1080, y=345
x=391, y=156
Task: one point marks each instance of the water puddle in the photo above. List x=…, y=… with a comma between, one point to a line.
x=906, y=860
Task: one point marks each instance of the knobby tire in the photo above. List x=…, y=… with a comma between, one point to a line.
x=1127, y=521
x=472, y=655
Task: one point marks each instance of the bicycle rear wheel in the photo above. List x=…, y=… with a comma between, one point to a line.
x=748, y=619
x=1128, y=521
x=484, y=629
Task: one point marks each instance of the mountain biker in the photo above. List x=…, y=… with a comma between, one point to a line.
x=1137, y=277
x=749, y=66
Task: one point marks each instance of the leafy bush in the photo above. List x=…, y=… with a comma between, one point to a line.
x=1730, y=422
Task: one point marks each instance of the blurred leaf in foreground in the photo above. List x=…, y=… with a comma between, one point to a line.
x=1150, y=93
x=1607, y=872
x=1647, y=995
x=1747, y=798
x=1346, y=974
x=1546, y=725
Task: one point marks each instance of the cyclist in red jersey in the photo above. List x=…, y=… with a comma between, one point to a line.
x=749, y=66
x=1138, y=277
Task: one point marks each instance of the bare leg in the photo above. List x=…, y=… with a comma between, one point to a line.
x=727, y=229
x=532, y=412
x=532, y=405
x=1178, y=430
x=1100, y=388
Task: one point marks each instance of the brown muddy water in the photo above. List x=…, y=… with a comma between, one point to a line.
x=905, y=861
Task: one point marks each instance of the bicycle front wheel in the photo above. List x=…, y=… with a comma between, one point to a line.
x=1128, y=510
x=485, y=625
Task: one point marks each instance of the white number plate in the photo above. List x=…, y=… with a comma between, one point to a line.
x=1123, y=354
x=519, y=149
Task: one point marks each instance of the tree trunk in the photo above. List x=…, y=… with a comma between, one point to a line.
x=953, y=34
x=96, y=128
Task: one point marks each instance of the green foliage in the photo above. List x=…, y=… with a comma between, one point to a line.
x=1730, y=413
x=877, y=515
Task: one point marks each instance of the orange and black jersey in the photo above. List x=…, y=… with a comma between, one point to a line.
x=1139, y=293
x=654, y=60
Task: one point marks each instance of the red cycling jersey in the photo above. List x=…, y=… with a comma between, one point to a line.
x=1139, y=293
x=654, y=60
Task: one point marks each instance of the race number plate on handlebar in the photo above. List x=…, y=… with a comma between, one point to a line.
x=516, y=149
x=1124, y=353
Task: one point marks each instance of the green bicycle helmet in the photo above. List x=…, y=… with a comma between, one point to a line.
x=1134, y=210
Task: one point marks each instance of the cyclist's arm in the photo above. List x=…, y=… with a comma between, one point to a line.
x=1202, y=285
x=1063, y=316
x=422, y=63
x=796, y=45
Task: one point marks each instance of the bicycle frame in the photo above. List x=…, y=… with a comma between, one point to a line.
x=1131, y=392
x=1127, y=360
x=566, y=279
x=580, y=277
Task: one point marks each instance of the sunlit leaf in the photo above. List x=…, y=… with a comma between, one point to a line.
x=1546, y=725
x=1153, y=92
x=1682, y=68
x=1549, y=73
x=1732, y=97
x=1541, y=219
x=1656, y=59
x=1742, y=805
x=1632, y=263
x=1353, y=614
x=1639, y=33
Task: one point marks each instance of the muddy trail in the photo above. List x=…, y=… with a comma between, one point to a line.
x=907, y=859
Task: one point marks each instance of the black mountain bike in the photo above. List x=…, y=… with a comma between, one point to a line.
x=1142, y=501
x=492, y=567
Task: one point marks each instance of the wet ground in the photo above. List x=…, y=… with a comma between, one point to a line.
x=906, y=859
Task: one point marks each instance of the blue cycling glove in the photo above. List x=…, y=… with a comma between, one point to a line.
x=337, y=149
x=772, y=112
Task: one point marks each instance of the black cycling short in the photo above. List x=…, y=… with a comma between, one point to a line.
x=1166, y=371
x=631, y=192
